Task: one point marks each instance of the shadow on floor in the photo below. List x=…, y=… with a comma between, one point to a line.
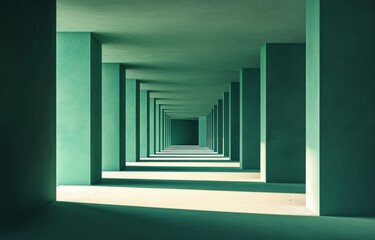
x=205, y=185
x=91, y=221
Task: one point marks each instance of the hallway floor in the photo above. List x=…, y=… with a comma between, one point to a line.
x=183, y=197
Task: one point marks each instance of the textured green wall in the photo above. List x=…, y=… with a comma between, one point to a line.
x=226, y=124
x=234, y=121
x=250, y=118
x=157, y=127
x=283, y=113
x=202, y=131
x=185, y=132
x=132, y=120
x=341, y=107
x=312, y=105
x=152, y=125
x=113, y=106
x=220, y=126
x=144, y=123
x=28, y=107
x=215, y=128
x=161, y=128
x=79, y=73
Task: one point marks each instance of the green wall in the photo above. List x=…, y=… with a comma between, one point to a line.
x=202, y=131
x=234, y=121
x=152, y=125
x=185, y=132
x=144, y=123
x=28, y=107
x=215, y=129
x=113, y=110
x=283, y=112
x=157, y=127
x=249, y=118
x=220, y=126
x=132, y=120
x=79, y=73
x=340, y=107
x=226, y=124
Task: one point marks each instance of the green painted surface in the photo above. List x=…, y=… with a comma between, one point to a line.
x=132, y=120
x=214, y=136
x=28, y=107
x=250, y=118
x=113, y=104
x=283, y=88
x=202, y=131
x=234, y=121
x=151, y=129
x=144, y=123
x=226, y=124
x=185, y=132
x=162, y=115
x=157, y=127
x=313, y=105
x=186, y=52
x=341, y=86
x=220, y=126
x=78, y=109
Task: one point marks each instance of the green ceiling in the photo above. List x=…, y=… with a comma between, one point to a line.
x=188, y=51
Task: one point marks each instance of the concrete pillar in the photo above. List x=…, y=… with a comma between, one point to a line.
x=283, y=113
x=202, y=131
x=226, y=124
x=152, y=108
x=250, y=118
x=215, y=128
x=234, y=121
x=28, y=107
x=340, y=116
x=113, y=117
x=132, y=120
x=79, y=115
x=220, y=126
x=144, y=123
x=157, y=127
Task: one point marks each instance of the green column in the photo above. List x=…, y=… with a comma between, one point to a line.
x=144, y=123
x=234, y=121
x=152, y=125
x=28, y=108
x=202, y=131
x=208, y=130
x=161, y=128
x=157, y=127
x=79, y=115
x=220, y=126
x=340, y=119
x=215, y=129
x=132, y=120
x=283, y=113
x=250, y=118
x=113, y=117
x=226, y=124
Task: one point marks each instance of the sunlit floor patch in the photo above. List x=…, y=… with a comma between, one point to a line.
x=203, y=200
x=188, y=176
x=185, y=164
